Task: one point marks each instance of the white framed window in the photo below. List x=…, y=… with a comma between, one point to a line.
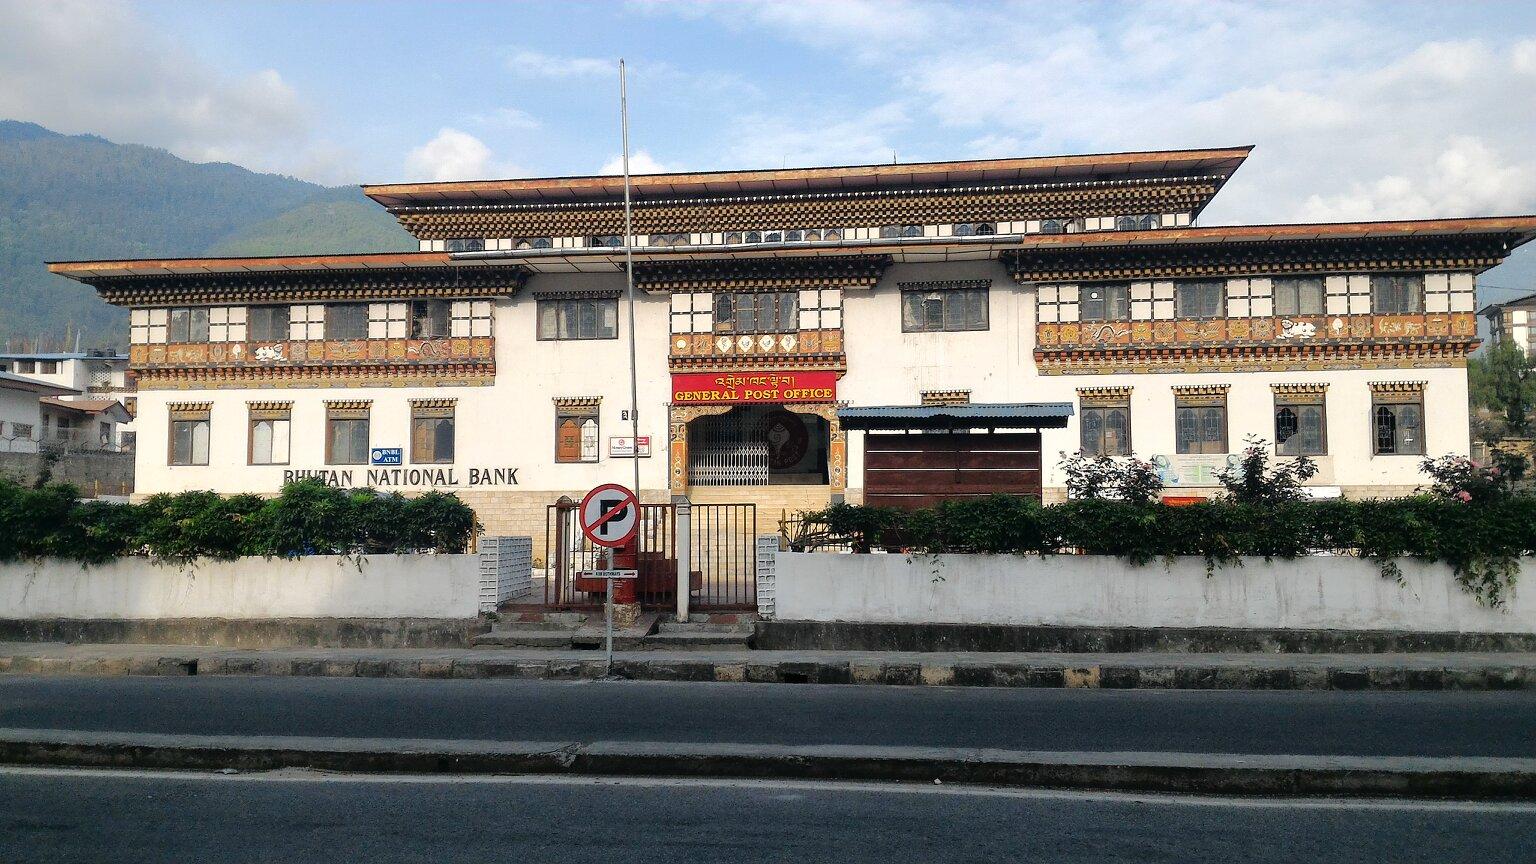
x=306, y=322
x=226, y=324
x=471, y=318
x=148, y=326
x=387, y=320
x=821, y=309
x=693, y=312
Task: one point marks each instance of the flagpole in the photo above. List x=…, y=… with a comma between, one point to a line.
x=629, y=278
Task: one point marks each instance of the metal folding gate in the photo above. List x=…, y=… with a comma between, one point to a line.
x=721, y=556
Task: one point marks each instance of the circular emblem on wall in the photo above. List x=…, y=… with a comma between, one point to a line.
x=787, y=439
x=681, y=343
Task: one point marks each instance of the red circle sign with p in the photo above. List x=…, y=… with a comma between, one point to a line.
x=610, y=515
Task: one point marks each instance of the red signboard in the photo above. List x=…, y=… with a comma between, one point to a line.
x=733, y=388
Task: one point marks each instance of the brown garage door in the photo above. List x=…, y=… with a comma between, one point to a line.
x=920, y=470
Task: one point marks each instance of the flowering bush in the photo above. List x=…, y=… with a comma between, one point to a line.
x=1467, y=480
x=1105, y=478
x=1253, y=481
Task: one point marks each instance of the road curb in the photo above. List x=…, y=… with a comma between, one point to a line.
x=1188, y=674
x=1223, y=774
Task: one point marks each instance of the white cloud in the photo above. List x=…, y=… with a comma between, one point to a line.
x=640, y=162
x=507, y=118
x=776, y=140
x=455, y=155
x=535, y=64
x=77, y=66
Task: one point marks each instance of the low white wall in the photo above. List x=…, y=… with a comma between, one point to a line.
x=320, y=586
x=1335, y=593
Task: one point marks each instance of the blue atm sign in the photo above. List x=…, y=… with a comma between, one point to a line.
x=385, y=456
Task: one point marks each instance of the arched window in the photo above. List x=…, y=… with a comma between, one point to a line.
x=1149, y=222
x=1286, y=426
x=1386, y=429
x=986, y=228
x=890, y=231
x=1125, y=223
x=812, y=235
x=733, y=237
x=832, y=234
x=911, y=230
x=793, y=236
x=1060, y=226
x=964, y=229
x=608, y=241
x=754, y=236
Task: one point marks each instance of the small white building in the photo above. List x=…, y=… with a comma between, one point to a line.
x=92, y=378
x=21, y=415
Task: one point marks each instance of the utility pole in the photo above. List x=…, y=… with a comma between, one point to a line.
x=629, y=278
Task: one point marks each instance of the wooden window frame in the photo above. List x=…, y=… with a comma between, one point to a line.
x=560, y=304
x=433, y=411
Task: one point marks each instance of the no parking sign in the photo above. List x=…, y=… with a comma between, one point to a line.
x=610, y=515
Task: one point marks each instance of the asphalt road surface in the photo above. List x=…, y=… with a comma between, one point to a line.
x=125, y=817
x=1501, y=724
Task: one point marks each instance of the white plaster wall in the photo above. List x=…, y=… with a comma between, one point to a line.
x=321, y=586
x=19, y=406
x=1322, y=592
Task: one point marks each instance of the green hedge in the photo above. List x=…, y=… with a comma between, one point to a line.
x=306, y=518
x=1482, y=542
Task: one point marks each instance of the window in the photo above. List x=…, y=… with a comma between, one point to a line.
x=431, y=431
x=608, y=240
x=26, y=367
x=189, y=433
x=471, y=318
x=1200, y=419
x=576, y=430
x=821, y=310
x=267, y=323
x=668, y=239
x=306, y=322
x=346, y=433
x=1060, y=226
x=465, y=244
x=1138, y=223
x=1397, y=293
x=47, y=367
x=1301, y=421
x=582, y=318
x=757, y=312
x=188, y=325
x=346, y=321
x=888, y=231
x=148, y=326
x=533, y=243
x=269, y=434
x=104, y=433
x=1105, y=303
x=429, y=318
x=1299, y=295
x=226, y=324
x=1106, y=430
x=1205, y=299
x=971, y=229
x=1397, y=419
x=387, y=320
x=21, y=430
x=933, y=307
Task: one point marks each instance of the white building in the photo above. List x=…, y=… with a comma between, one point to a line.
x=794, y=328
x=21, y=415
x=95, y=407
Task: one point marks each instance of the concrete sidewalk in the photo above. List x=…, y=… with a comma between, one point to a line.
x=1416, y=671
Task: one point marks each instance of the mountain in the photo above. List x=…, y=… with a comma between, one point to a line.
x=79, y=196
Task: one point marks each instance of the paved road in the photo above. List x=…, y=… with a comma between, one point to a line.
x=124, y=817
x=1501, y=724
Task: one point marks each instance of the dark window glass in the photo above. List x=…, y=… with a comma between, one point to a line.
x=1397, y=293
x=466, y=244
x=1060, y=226
x=951, y=309
x=1201, y=429
x=1204, y=299
x=346, y=441
x=346, y=321
x=1399, y=429
x=757, y=312
x=431, y=439
x=608, y=240
x=594, y=318
x=1106, y=431
x=534, y=243
x=429, y=318
x=1106, y=303
x=267, y=323
x=1299, y=429
x=189, y=442
x=1299, y=296
x=188, y=325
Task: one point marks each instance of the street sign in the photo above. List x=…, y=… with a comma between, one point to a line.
x=624, y=447
x=608, y=574
x=609, y=515
x=385, y=455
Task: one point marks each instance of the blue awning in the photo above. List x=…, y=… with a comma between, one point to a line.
x=1013, y=415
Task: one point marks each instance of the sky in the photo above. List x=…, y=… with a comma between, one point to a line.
x=1358, y=110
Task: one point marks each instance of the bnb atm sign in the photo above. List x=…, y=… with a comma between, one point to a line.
x=734, y=388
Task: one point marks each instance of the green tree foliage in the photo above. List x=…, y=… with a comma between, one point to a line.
x=1503, y=381
x=306, y=518
x=79, y=196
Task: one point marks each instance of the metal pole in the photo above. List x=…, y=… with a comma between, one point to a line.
x=629, y=278
x=684, y=555
x=608, y=618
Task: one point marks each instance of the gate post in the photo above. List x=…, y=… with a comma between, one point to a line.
x=684, y=540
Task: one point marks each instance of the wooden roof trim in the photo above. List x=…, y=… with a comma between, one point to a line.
x=1292, y=231
x=802, y=179
x=82, y=270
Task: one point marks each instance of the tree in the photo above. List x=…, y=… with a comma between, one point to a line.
x=1503, y=380
x=1254, y=481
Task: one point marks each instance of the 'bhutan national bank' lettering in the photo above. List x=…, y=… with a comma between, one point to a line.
x=413, y=477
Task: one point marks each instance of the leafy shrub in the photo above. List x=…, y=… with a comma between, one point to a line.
x=1467, y=480
x=1254, y=481
x=306, y=518
x=1107, y=478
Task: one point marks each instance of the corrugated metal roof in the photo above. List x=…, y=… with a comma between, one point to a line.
x=1011, y=415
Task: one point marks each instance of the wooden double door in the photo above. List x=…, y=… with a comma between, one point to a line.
x=922, y=469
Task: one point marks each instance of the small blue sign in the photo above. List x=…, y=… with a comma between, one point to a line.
x=385, y=456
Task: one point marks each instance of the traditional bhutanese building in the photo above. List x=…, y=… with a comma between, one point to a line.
x=898, y=334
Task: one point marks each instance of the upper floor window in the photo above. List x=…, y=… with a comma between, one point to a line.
x=1105, y=303
x=1138, y=223
x=612, y=241
x=944, y=307
x=26, y=367
x=188, y=325
x=1203, y=299
x=1397, y=293
x=465, y=244
x=971, y=229
x=346, y=321
x=1106, y=430
x=579, y=318
x=307, y=321
x=47, y=367
x=757, y=312
x=346, y=433
x=679, y=239
x=1060, y=226
x=432, y=431
x=901, y=231
x=1298, y=295
x=267, y=323
x=534, y=243
x=430, y=318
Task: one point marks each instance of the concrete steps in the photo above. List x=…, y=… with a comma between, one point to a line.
x=563, y=630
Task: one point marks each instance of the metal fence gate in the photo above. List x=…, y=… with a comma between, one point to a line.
x=721, y=553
